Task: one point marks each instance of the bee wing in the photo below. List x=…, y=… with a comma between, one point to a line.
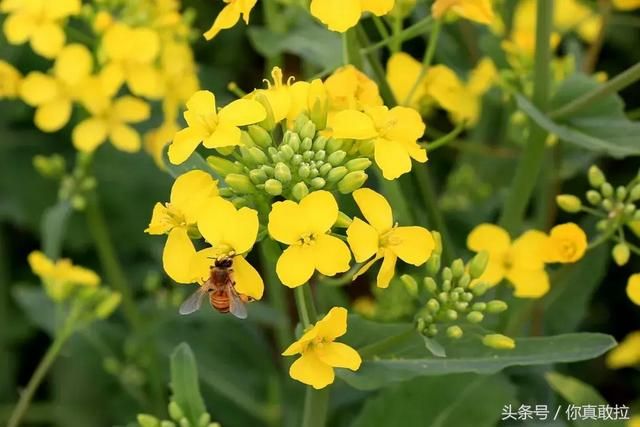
x=194, y=301
x=236, y=306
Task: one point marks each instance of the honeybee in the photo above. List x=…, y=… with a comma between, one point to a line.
x=221, y=290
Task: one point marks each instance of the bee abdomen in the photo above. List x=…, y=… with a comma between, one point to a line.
x=220, y=301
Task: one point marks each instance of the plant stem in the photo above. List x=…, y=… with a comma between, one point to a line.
x=531, y=159
x=351, y=48
x=381, y=346
x=376, y=66
x=426, y=61
x=274, y=23
x=408, y=33
x=619, y=82
x=38, y=375
x=444, y=140
x=593, y=54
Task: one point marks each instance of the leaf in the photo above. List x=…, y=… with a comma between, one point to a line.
x=184, y=383
x=447, y=401
x=38, y=307
x=53, y=227
x=578, y=393
x=194, y=162
x=434, y=347
x=397, y=360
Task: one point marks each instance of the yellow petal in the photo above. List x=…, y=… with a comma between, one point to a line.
x=190, y=191
x=89, y=134
x=627, y=353
x=243, y=112
x=227, y=18
x=161, y=221
x=310, y=370
x=319, y=211
x=202, y=102
x=73, y=64
x=333, y=324
x=62, y=8
x=19, y=27
x=377, y=7
x=47, y=40
x=184, y=144
x=40, y=264
x=567, y=243
x=53, y=115
x=633, y=288
x=38, y=88
x=145, y=43
x=222, y=225
x=626, y=4
x=177, y=256
x=225, y=135
x=286, y=223
x=363, y=240
x=331, y=255
x=528, y=251
x=295, y=266
x=338, y=15
x=367, y=265
x=125, y=138
x=489, y=238
x=339, y=355
x=412, y=245
x=529, y=283
x=403, y=124
x=299, y=346
x=495, y=270
x=351, y=124
x=402, y=73
x=131, y=110
x=144, y=80
x=375, y=209
x=392, y=158
x=387, y=269
x=248, y=280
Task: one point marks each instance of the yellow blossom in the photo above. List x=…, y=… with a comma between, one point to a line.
x=402, y=73
x=626, y=354
x=215, y=129
x=53, y=95
x=61, y=277
x=567, y=243
x=230, y=15
x=340, y=15
x=305, y=227
x=633, y=288
x=380, y=238
x=521, y=262
x=319, y=353
x=351, y=89
x=41, y=22
x=626, y=4
x=394, y=133
x=474, y=10
x=286, y=99
x=10, y=80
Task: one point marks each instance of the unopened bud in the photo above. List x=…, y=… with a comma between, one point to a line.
x=286, y=152
x=337, y=157
x=273, y=187
x=260, y=136
x=621, y=193
x=184, y=422
x=108, y=305
x=282, y=173
x=596, y=177
x=454, y=332
x=318, y=103
x=496, y=306
x=451, y=314
x=634, y=194
x=410, y=284
x=499, y=342
x=317, y=183
x=478, y=264
x=325, y=169
x=464, y=281
x=430, y=284
x=343, y=221
x=258, y=156
x=299, y=191
x=479, y=306
x=433, y=264
x=621, y=253
x=334, y=144
x=239, y=183
x=204, y=420
x=433, y=305
x=78, y=202
x=457, y=268
x=607, y=205
x=269, y=123
x=167, y=424
x=629, y=209
x=308, y=130
x=336, y=174
x=175, y=412
x=223, y=167
x=146, y=420
x=569, y=203
x=479, y=288
x=594, y=197
x=257, y=176
x=352, y=182
x=475, y=317
x=358, y=164
x=606, y=189
x=447, y=274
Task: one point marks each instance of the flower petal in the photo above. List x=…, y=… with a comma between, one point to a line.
x=319, y=211
x=227, y=18
x=331, y=255
x=387, y=269
x=375, y=208
x=47, y=40
x=131, y=110
x=333, y=324
x=286, y=223
x=190, y=191
x=202, y=102
x=529, y=283
x=19, y=27
x=247, y=279
x=224, y=226
x=52, y=116
x=295, y=266
x=38, y=88
x=633, y=288
x=339, y=355
x=225, y=135
x=352, y=124
x=363, y=240
x=125, y=138
x=412, y=245
x=89, y=134
x=184, y=144
x=489, y=238
x=243, y=112
x=392, y=158
x=177, y=256
x=73, y=64
x=338, y=15
x=310, y=370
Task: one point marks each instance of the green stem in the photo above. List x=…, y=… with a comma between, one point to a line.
x=385, y=344
x=269, y=252
x=408, y=33
x=39, y=374
x=427, y=60
x=351, y=48
x=616, y=84
x=275, y=24
x=531, y=159
x=444, y=140
x=376, y=66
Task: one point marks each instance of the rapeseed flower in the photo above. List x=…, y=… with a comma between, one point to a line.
x=350, y=89
x=567, y=243
x=215, y=129
x=633, y=288
x=230, y=15
x=521, y=262
x=305, y=227
x=380, y=238
x=285, y=99
x=340, y=15
x=10, y=80
x=319, y=353
x=61, y=277
x=479, y=11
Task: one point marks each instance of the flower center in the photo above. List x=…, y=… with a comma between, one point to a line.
x=567, y=248
x=307, y=239
x=507, y=261
x=390, y=238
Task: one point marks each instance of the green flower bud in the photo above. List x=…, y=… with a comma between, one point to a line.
x=308, y=130
x=292, y=140
x=432, y=330
x=296, y=160
x=475, y=317
x=430, y=284
x=223, y=167
x=629, y=209
x=464, y=280
x=184, y=422
x=325, y=169
x=337, y=157
x=569, y=203
x=365, y=148
x=594, y=197
x=307, y=156
x=336, y=174
x=446, y=285
x=260, y=136
x=343, y=220
x=320, y=143
x=146, y=420
x=175, y=412
x=286, y=152
x=451, y=315
x=454, y=332
x=88, y=183
x=78, y=202
x=257, y=176
x=273, y=187
x=240, y=202
x=245, y=140
x=433, y=264
x=351, y=182
x=239, y=183
x=258, y=156
x=496, y=306
x=410, y=284
x=421, y=324
x=478, y=264
x=606, y=189
x=499, y=342
x=634, y=194
x=358, y=164
x=636, y=215
x=437, y=239
x=433, y=305
x=621, y=193
x=621, y=254
x=317, y=183
x=461, y=305
x=602, y=225
x=204, y=420
x=306, y=145
x=443, y=297
x=447, y=274
x=225, y=192
x=304, y=171
x=467, y=297
x=479, y=288
x=299, y=191
x=53, y=166
x=334, y=144
x=269, y=123
x=282, y=173
x=314, y=172
x=108, y=305
x=596, y=177
x=320, y=155
x=607, y=205
x=479, y=306
x=167, y=424
x=457, y=268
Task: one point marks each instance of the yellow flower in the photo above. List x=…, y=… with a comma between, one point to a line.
x=626, y=354
x=319, y=353
x=61, y=277
x=305, y=227
x=156, y=139
x=10, y=80
x=130, y=54
x=567, y=243
x=572, y=15
x=230, y=15
x=394, y=132
x=351, y=89
x=286, y=100
x=215, y=129
x=189, y=193
x=474, y=10
x=633, y=288
x=53, y=95
x=340, y=15
x=231, y=233
x=382, y=239
x=521, y=262
x=402, y=73
x=626, y=4
x=38, y=21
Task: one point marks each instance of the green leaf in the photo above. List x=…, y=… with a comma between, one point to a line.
x=184, y=383
x=194, y=162
x=603, y=127
x=405, y=358
x=447, y=401
x=53, y=227
x=578, y=393
x=38, y=307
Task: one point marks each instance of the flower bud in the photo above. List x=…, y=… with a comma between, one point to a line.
x=223, y=167
x=273, y=187
x=634, y=194
x=433, y=264
x=478, y=264
x=282, y=173
x=336, y=174
x=606, y=189
x=607, y=205
x=629, y=209
x=621, y=193
x=358, y=164
x=496, y=306
x=594, y=197
x=286, y=152
x=596, y=177
x=204, y=420
x=175, y=412
x=318, y=103
x=308, y=130
x=454, y=332
x=467, y=297
x=479, y=306
x=258, y=156
x=433, y=305
x=451, y=315
x=430, y=284
x=50, y=166
x=621, y=254
x=343, y=220
x=184, y=422
x=352, y=182
x=239, y=183
x=479, y=288
x=569, y=203
x=306, y=145
x=108, y=305
x=317, y=183
x=308, y=155
x=325, y=169
x=464, y=281
x=365, y=148
x=337, y=157
x=146, y=420
x=457, y=268
x=432, y=330
x=167, y=424
x=299, y=191
x=269, y=123
x=319, y=143
x=447, y=274
x=446, y=284
x=260, y=136
x=410, y=284
x=334, y=144
x=499, y=342
x=257, y=176
x=475, y=317
x=78, y=202
x=443, y=297
x=314, y=172
x=294, y=142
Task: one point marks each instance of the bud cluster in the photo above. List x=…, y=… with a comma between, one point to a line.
x=178, y=419
x=305, y=160
x=453, y=298
x=74, y=185
x=617, y=207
